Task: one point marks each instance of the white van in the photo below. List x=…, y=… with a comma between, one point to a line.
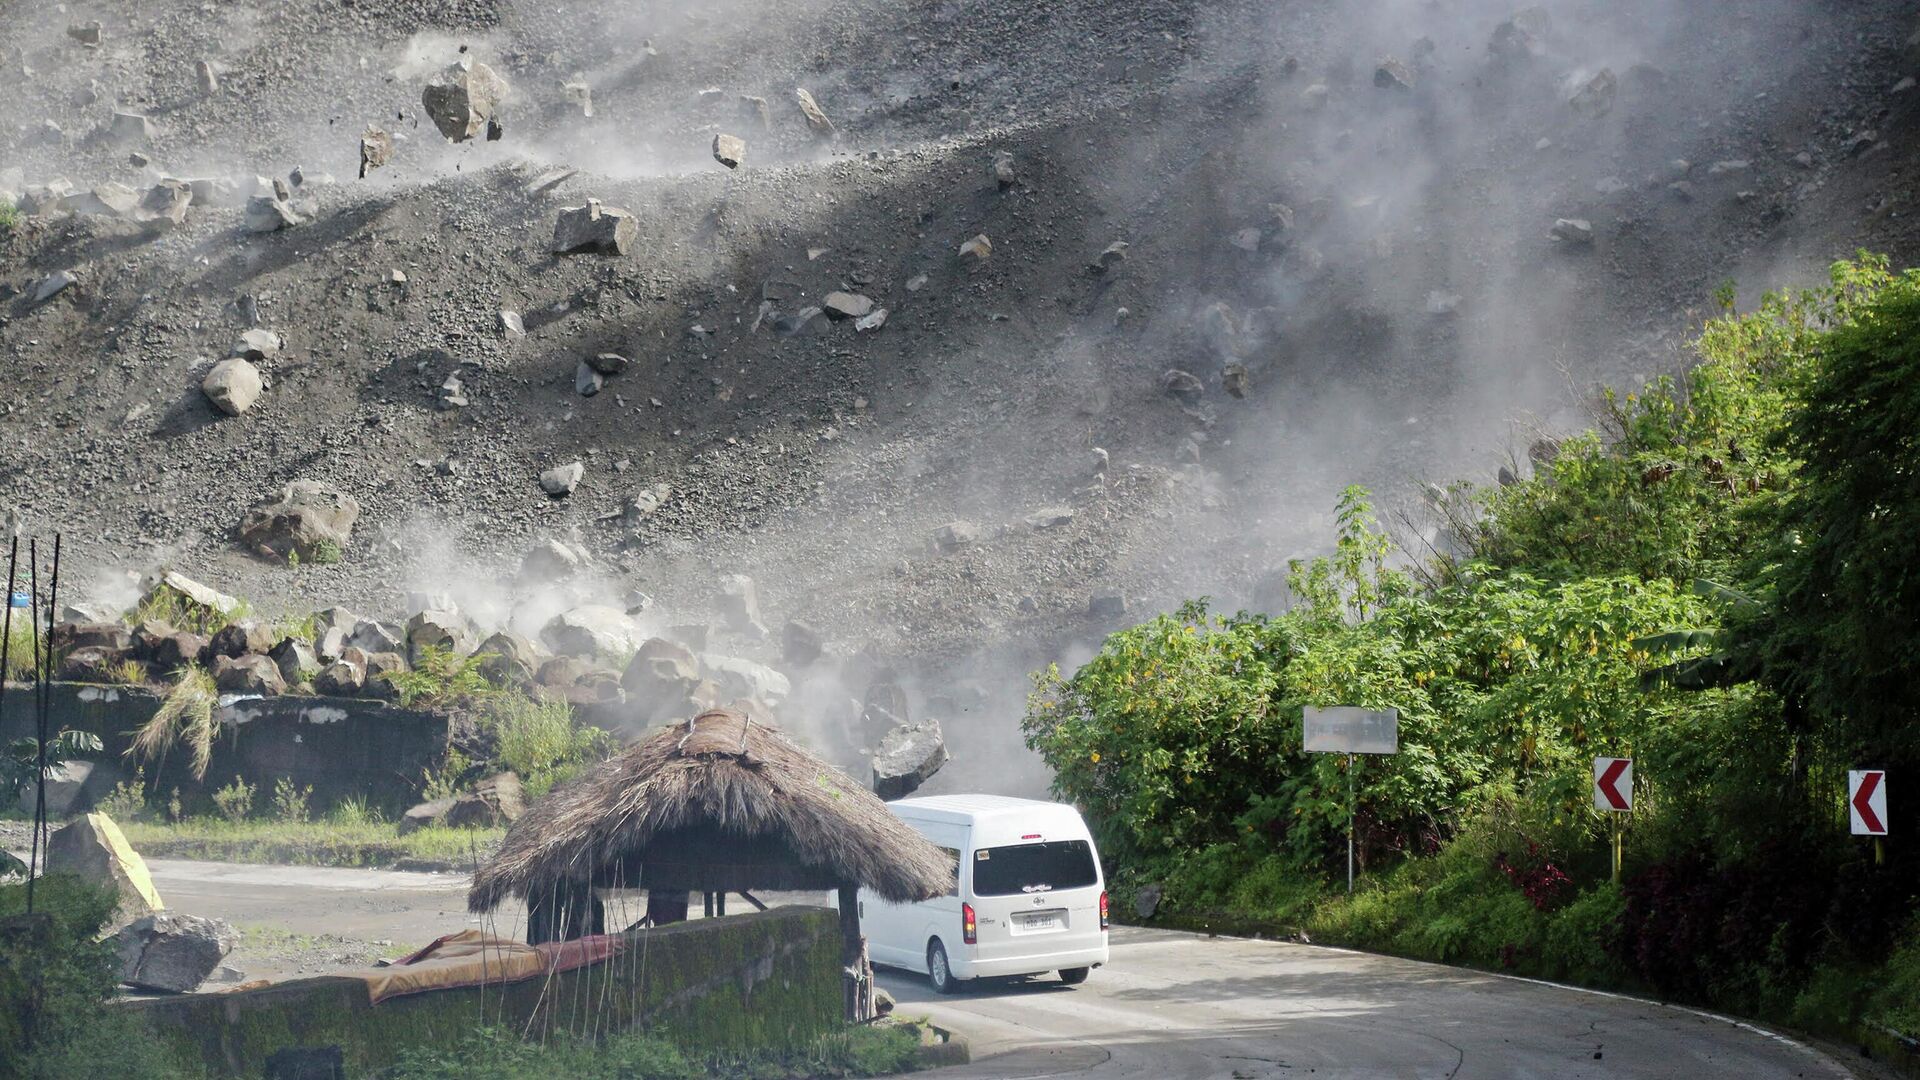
x=1031, y=898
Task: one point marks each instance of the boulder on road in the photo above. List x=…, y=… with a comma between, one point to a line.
x=172, y=952
x=92, y=849
x=907, y=757
x=594, y=227
x=233, y=385
x=592, y=630
x=310, y=517
x=462, y=100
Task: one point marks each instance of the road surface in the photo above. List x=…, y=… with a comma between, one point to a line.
x=1169, y=1005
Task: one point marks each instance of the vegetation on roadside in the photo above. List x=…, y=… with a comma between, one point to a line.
x=540, y=741
x=186, y=716
x=499, y=1054
x=1716, y=582
x=340, y=839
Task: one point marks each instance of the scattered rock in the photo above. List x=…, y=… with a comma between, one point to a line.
x=1233, y=379
x=177, y=650
x=560, y=480
x=165, y=204
x=1576, y=231
x=1003, y=171
x=594, y=228
x=801, y=644
x=1110, y=257
x=268, y=213
x=170, y=952
x=729, y=150
x=955, y=535
x=87, y=33
x=844, y=305
x=233, y=385
x=737, y=677
x=1107, y=605
x=53, y=285
x=739, y=605
x=550, y=561
x=816, y=118
x=508, y=658
x=451, y=394
x=376, y=149
x=342, y=678
x=592, y=630
x=1392, y=74
x=295, y=659
x=439, y=630
x=979, y=247
x=907, y=757
x=586, y=382
x=1182, y=385
x=511, y=326
x=250, y=674
x=608, y=363
x=1594, y=98
x=310, y=517
x=374, y=637
x=873, y=320
x=240, y=637
x=755, y=109
x=381, y=668
x=93, y=849
x=463, y=100
x=204, y=77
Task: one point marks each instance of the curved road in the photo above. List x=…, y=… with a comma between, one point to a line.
x=1184, y=1005
x=1169, y=1004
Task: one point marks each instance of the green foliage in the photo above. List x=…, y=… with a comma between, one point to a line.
x=355, y=811
x=186, y=714
x=540, y=740
x=128, y=799
x=331, y=842
x=124, y=673
x=235, y=800
x=53, y=984
x=440, y=676
x=325, y=552
x=165, y=605
x=446, y=782
x=500, y=1054
x=290, y=801
x=9, y=217
x=20, y=762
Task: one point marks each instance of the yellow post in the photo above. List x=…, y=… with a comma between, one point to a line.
x=1616, y=850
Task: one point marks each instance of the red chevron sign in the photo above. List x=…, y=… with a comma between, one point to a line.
x=1613, y=784
x=1867, y=801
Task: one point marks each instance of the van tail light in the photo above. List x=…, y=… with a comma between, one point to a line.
x=970, y=927
x=1103, y=909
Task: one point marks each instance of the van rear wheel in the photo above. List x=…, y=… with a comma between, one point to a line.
x=1074, y=976
x=938, y=971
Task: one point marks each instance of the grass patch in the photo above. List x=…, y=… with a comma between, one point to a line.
x=332, y=842
x=9, y=217
x=186, y=715
x=499, y=1054
x=540, y=741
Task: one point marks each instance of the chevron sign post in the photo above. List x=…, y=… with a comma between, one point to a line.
x=1867, y=801
x=1613, y=784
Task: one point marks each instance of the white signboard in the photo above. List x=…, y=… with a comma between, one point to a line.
x=1867, y=801
x=1348, y=729
x=1613, y=784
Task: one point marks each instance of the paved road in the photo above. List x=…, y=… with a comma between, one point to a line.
x=1169, y=1005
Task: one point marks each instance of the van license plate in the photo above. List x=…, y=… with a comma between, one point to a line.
x=1039, y=921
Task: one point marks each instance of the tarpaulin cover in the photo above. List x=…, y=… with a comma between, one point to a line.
x=471, y=958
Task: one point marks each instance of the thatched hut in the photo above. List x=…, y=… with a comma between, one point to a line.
x=719, y=803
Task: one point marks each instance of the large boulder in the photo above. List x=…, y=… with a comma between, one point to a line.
x=439, y=630
x=182, y=591
x=381, y=668
x=661, y=672
x=374, y=637
x=172, y=952
x=506, y=657
x=295, y=659
x=66, y=785
x=91, y=664
x=738, y=677
x=93, y=635
x=594, y=227
x=342, y=678
x=307, y=516
x=232, y=385
x=497, y=800
x=240, y=637
x=253, y=674
x=177, y=650
x=464, y=99
x=592, y=630
x=740, y=605
x=908, y=756
x=801, y=644
x=424, y=815
x=92, y=849
x=550, y=561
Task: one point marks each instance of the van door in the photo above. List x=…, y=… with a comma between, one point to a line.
x=1035, y=898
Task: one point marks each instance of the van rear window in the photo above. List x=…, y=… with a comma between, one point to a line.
x=1032, y=868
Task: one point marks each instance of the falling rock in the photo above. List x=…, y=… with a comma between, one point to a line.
x=205, y=78
x=165, y=204
x=1098, y=459
x=801, y=643
x=1393, y=74
x=816, y=117
x=1107, y=605
x=511, y=326
x=956, y=534
x=729, y=150
x=1440, y=302
x=737, y=677
x=1314, y=97
x=268, y=213
x=1003, y=171
x=1522, y=36
x=1233, y=379
x=1110, y=257
x=452, y=393
x=86, y=33
x=979, y=247
x=426, y=815
x=251, y=674
x=551, y=561
x=439, y=630
x=587, y=382
x=1050, y=517
x=65, y=783
x=463, y=100
x=1146, y=900
x=643, y=503
x=93, y=849
x=1594, y=98
x=873, y=320
x=53, y=285
x=1576, y=231
x=592, y=630
x=190, y=593
x=295, y=659
x=382, y=667
x=310, y=517
x=233, y=385
x=495, y=801
x=257, y=345
x=594, y=228
x=376, y=149
x=562, y=479
x=579, y=93
x=106, y=200
x=171, y=952
x=845, y=305
x=130, y=127
x=608, y=363
x=661, y=670
x=907, y=757
x=1183, y=385
x=739, y=605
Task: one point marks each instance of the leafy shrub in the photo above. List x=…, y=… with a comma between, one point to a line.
x=325, y=552
x=540, y=740
x=235, y=800
x=355, y=811
x=128, y=799
x=439, y=676
x=290, y=801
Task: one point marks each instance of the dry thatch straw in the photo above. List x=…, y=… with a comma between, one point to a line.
x=716, y=804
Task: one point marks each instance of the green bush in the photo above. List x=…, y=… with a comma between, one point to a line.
x=235, y=800
x=540, y=740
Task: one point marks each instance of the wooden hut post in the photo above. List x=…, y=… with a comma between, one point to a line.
x=853, y=954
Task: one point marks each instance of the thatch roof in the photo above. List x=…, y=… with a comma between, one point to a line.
x=717, y=803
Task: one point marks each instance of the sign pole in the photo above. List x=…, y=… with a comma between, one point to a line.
x=1617, y=831
x=1353, y=811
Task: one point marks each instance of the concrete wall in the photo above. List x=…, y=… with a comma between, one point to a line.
x=341, y=746
x=764, y=981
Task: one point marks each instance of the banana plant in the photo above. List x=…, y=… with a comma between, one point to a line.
x=1721, y=667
